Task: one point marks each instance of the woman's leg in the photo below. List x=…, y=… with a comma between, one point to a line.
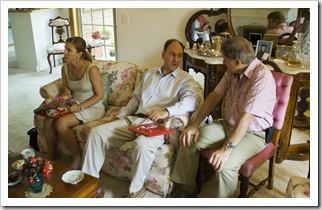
x=64, y=126
x=51, y=135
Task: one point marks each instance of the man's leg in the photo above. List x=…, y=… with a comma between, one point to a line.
x=99, y=140
x=227, y=180
x=187, y=162
x=143, y=156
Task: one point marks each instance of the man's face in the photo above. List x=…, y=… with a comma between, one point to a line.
x=263, y=48
x=272, y=24
x=231, y=65
x=172, y=56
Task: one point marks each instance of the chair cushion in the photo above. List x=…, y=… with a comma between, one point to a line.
x=253, y=163
x=283, y=88
x=57, y=48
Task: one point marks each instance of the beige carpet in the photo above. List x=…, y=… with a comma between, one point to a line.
x=23, y=96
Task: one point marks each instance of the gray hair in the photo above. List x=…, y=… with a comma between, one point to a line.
x=277, y=15
x=238, y=48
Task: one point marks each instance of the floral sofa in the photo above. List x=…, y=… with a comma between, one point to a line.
x=298, y=187
x=119, y=80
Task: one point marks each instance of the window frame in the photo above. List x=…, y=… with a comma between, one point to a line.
x=114, y=26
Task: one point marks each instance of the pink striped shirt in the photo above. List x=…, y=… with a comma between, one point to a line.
x=280, y=29
x=254, y=92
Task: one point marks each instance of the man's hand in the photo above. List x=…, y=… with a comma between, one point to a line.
x=191, y=133
x=219, y=157
x=156, y=115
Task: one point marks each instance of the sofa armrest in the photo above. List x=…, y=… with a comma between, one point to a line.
x=52, y=89
x=180, y=121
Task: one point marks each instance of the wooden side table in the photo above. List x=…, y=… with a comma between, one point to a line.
x=87, y=188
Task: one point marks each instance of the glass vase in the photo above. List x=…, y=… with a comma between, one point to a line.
x=295, y=59
x=36, y=182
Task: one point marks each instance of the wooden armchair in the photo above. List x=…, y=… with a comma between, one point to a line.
x=283, y=89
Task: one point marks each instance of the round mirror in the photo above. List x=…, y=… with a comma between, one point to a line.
x=205, y=23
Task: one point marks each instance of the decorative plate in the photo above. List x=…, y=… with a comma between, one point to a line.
x=14, y=178
x=18, y=165
x=73, y=176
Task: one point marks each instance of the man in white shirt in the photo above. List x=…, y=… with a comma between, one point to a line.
x=163, y=92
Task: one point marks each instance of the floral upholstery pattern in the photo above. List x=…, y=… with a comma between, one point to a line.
x=122, y=79
x=52, y=89
x=298, y=187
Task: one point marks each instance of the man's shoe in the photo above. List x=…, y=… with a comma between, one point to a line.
x=138, y=194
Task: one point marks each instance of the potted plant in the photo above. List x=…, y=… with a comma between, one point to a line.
x=106, y=34
x=96, y=35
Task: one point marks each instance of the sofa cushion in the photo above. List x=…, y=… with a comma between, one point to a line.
x=106, y=89
x=139, y=75
x=121, y=81
x=104, y=65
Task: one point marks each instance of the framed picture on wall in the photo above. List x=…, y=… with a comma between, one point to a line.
x=263, y=49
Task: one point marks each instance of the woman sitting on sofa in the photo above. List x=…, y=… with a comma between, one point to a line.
x=81, y=79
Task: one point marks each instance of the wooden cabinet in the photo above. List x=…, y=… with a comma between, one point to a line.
x=212, y=73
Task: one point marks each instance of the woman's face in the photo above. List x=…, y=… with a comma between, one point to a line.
x=70, y=53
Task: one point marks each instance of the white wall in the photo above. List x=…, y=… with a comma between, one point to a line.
x=141, y=40
x=32, y=36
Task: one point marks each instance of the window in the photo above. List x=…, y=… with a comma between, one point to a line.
x=102, y=20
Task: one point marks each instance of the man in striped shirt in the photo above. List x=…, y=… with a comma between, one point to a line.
x=249, y=91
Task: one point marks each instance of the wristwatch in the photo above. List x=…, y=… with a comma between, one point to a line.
x=229, y=145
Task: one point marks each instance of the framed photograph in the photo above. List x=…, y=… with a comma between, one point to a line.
x=264, y=49
x=271, y=37
x=283, y=51
x=254, y=37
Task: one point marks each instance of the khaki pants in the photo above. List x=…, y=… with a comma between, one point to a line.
x=213, y=135
x=115, y=134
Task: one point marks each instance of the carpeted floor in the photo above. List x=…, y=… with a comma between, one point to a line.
x=23, y=97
